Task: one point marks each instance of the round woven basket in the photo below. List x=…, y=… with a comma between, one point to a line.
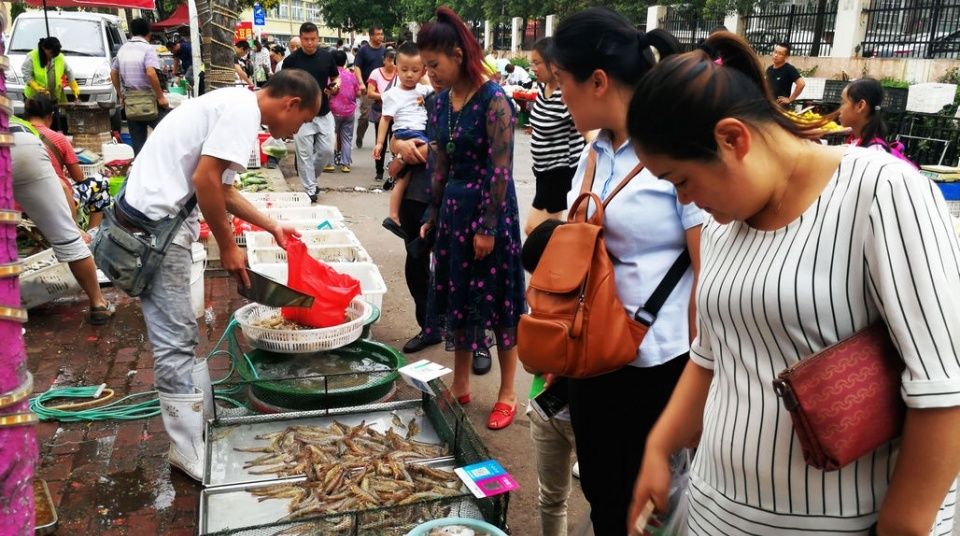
x=303, y=340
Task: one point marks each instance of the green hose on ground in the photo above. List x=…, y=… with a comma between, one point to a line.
x=126, y=408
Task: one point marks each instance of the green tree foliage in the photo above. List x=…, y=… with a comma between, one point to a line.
x=358, y=15
x=16, y=9
x=267, y=4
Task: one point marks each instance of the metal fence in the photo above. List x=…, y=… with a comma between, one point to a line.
x=912, y=29
x=690, y=25
x=929, y=139
x=476, y=28
x=808, y=27
x=533, y=31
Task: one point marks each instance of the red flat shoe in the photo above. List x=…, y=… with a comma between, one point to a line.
x=501, y=416
x=464, y=399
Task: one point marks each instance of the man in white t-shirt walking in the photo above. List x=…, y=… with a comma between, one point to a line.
x=197, y=150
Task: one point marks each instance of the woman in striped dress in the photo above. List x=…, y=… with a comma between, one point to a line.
x=808, y=244
x=555, y=143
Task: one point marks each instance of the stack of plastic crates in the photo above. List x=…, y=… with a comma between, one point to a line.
x=833, y=91
x=263, y=200
x=224, y=498
x=895, y=99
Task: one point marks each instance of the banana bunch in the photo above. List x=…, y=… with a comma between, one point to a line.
x=810, y=116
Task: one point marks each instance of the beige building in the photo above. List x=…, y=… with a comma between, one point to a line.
x=284, y=21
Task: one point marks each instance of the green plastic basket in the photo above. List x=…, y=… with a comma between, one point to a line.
x=299, y=381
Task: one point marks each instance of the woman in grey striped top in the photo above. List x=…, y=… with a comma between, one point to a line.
x=808, y=245
x=555, y=144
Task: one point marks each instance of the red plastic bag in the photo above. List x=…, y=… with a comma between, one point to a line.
x=332, y=291
x=240, y=226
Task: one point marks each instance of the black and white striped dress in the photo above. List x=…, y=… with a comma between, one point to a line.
x=877, y=244
x=555, y=142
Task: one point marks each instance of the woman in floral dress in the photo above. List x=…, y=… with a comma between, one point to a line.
x=477, y=289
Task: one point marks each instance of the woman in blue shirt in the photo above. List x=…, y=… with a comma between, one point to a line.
x=600, y=58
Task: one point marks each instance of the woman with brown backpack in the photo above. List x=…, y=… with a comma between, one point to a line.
x=599, y=59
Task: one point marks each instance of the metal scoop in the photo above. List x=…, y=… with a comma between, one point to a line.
x=269, y=292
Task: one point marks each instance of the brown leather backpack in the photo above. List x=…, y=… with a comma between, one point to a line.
x=578, y=327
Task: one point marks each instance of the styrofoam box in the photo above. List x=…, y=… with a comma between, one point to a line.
x=48, y=283
x=372, y=285
x=316, y=212
x=931, y=97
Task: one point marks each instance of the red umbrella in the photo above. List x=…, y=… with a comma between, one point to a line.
x=179, y=17
x=126, y=4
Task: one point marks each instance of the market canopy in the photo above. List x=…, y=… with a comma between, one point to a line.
x=124, y=4
x=180, y=17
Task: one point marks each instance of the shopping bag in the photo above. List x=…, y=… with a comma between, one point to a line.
x=275, y=148
x=674, y=521
x=332, y=291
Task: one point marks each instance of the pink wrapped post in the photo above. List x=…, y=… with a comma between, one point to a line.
x=18, y=447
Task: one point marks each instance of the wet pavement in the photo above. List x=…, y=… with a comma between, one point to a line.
x=112, y=478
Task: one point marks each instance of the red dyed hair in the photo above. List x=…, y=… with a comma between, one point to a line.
x=449, y=32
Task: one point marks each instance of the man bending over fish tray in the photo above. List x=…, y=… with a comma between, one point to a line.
x=191, y=160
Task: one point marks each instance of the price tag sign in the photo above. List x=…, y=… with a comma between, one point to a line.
x=421, y=373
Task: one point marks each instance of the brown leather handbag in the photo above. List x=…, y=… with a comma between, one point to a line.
x=578, y=327
x=845, y=400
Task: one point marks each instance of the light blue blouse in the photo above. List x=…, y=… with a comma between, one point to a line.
x=645, y=229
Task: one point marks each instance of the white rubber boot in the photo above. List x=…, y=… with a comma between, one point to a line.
x=201, y=382
x=183, y=419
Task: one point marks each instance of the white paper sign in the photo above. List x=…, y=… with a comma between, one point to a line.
x=930, y=98
x=813, y=90
x=422, y=372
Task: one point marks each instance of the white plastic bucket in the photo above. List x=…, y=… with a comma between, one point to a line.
x=196, y=278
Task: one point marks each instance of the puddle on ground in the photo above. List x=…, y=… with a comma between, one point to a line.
x=124, y=492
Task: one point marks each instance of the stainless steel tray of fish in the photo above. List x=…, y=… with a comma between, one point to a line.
x=244, y=450
x=263, y=508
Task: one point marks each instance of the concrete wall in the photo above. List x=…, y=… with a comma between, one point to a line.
x=912, y=70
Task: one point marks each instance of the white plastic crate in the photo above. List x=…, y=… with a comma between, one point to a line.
x=326, y=254
x=47, y=283
x=254, y=162
x=372, y=285
x=327, y=237
x=301, y=226
x=317, y=213
x=92, y=170
x=277, y=199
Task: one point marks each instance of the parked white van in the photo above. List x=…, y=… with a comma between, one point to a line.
x=90, y=41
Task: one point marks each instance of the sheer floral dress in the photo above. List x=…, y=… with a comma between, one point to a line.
x=475, y=303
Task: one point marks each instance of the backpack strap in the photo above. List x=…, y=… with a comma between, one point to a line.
x=590, y=171
x=647, y=313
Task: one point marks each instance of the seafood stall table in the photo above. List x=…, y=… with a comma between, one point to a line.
x=377, y=469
